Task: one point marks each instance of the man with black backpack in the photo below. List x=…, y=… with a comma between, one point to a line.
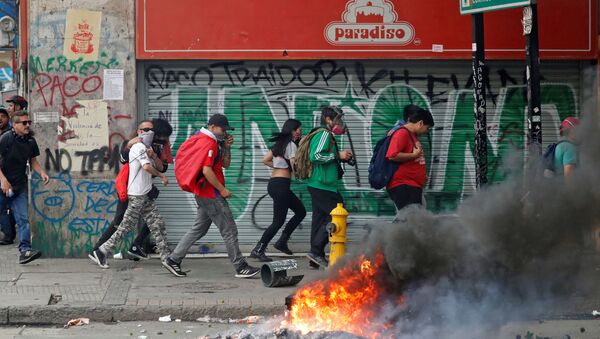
x=406, y=185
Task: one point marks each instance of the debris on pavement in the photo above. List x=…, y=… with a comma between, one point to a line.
x=165, y=319
x=78, y=322
x=188, y=331
x=177, y=320
x=595, y=313
x=253, y=319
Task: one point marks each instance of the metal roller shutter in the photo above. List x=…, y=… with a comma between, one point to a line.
x=258, y=96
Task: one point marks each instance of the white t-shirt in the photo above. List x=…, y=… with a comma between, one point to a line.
x=290, y=152
x=140, y=181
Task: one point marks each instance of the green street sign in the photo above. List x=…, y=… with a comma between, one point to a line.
x=478, y=6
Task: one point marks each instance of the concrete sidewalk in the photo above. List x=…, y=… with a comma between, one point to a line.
x=53, y=291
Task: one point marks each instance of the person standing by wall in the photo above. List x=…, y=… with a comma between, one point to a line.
x=17, y=148
x=565, y=154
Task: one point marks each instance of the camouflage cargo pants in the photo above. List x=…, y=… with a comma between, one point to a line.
x=140, y=207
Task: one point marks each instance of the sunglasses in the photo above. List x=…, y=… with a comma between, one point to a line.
x=25, y=123
x=147, y=129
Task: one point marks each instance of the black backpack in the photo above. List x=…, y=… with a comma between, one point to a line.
x=381, y=170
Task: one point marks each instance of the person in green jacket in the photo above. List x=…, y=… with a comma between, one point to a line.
x=323, y=182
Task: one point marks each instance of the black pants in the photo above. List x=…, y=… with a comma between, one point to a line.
x=114, y=225
x=405, y=195
x=323, y=202
x=9, y=225
x=283, y=199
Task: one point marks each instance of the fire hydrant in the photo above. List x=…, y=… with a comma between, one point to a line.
x=337, y=233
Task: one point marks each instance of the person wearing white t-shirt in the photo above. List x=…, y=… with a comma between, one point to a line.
x=142, y=162
x=281, y=159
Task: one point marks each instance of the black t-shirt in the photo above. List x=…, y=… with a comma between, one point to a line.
x=15, y=152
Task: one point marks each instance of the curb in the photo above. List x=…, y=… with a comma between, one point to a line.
x=60, y=315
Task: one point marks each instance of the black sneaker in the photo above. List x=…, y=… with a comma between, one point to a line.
x=6, y=242
x=100, y=258
x=321, y=261
x=174, y=268
x=312, y=265
x=136, y=253
x=246, y=271
x=29, y=256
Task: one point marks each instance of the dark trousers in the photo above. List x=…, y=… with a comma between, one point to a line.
x=143, y=233
x=323, y=202
x=405, y=195
x=8, y=225
x=283, y=199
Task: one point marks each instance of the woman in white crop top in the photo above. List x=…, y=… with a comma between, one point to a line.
x=281, y=159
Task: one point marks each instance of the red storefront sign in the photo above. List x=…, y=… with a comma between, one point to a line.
x=315, y=29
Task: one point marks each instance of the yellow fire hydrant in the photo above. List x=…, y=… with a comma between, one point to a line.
x=337, y=233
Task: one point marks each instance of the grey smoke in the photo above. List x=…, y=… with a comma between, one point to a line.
x=513, y=251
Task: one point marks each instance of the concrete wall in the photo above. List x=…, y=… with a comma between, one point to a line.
x=71, y=212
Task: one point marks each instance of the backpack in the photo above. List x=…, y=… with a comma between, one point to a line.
x=188, y=165
x=548, y=159
x=303, y=165
x=121, y=182
x=381, y=170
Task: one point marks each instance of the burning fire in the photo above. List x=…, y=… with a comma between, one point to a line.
x=344, y=302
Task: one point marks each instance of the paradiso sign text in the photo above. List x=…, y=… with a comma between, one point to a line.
x=369, y=22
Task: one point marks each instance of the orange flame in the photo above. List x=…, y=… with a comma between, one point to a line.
x=342, y=303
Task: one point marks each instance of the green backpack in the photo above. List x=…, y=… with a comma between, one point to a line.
x=303, y=165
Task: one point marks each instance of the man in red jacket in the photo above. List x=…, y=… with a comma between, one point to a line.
x=406, y=186
x=212, y=154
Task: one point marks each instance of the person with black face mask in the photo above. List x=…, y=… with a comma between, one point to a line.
x=281, y=159
x=323, y=182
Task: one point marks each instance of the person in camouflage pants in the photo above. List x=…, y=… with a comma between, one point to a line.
x=140, y=207
x=143, y=164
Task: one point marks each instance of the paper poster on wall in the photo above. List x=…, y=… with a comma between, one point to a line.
x=41, y=117
x=113, y=84
x=82, y=34
x=87, y=131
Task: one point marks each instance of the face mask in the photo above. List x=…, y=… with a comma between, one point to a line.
x=147, y=138
x=221, y=137
x=338, y=130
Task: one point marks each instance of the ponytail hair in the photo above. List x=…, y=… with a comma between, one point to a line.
x=283, y=138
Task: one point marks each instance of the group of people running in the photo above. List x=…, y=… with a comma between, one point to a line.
x=148, y=155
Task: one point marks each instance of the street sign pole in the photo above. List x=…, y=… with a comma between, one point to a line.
x=532, y=51
x=479, y=81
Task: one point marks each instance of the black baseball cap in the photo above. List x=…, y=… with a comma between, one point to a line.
x=19, y=100
x=3, y=111
x=221, y=121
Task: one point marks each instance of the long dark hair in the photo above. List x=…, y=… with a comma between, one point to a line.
x=283, y=138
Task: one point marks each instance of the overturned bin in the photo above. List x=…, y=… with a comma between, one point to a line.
x=274, y=274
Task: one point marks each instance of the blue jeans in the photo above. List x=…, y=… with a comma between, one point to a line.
x=19, y=205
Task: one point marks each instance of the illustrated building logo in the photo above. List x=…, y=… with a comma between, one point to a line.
x=370, y=22
x=82, y=39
